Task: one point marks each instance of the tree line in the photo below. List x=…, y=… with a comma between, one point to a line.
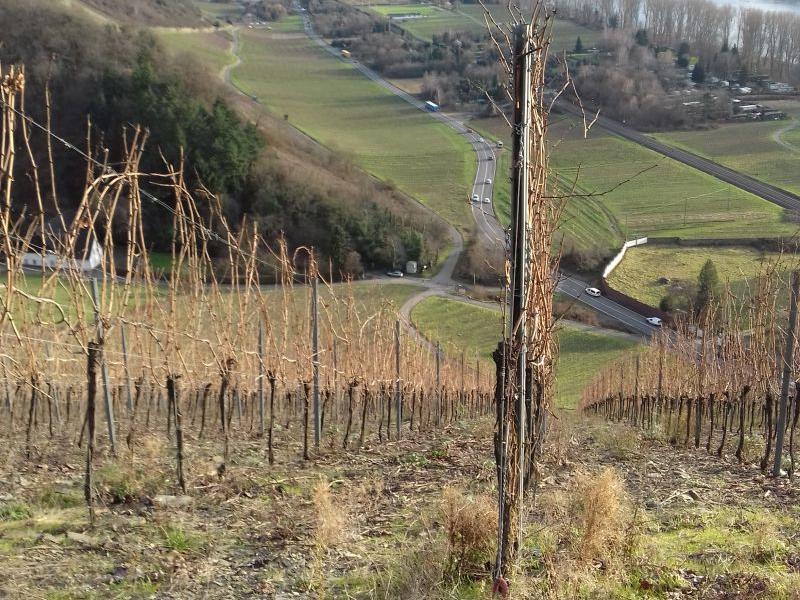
x=456, y=67
x=724, y=39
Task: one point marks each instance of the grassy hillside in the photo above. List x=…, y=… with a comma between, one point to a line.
x=336, y=105
x=639, y=272
x=476, y=330
x=766, y=150
x=174, y=13
x=210, y=47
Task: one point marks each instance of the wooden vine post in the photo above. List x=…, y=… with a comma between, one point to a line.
x=788, y=355
x=112, y=436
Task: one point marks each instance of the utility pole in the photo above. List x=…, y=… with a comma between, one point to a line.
x=315, y=359
x=788, y=354
x=519, y=240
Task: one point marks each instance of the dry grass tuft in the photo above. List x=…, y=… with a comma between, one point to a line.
x=470, y=525
x=603, y=512
x=330, y=517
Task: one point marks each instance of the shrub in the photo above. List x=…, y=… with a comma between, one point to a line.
x=15, y=511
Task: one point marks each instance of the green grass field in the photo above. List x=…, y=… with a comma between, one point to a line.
x=641, y=268
x=474, y=329
x=210, y=48
x=639, y=192
x=470, y=17
x=751, y=148
x=219, y=10
x=336, y=105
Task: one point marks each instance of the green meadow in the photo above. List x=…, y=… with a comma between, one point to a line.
x=336, y=105
x=476, y=330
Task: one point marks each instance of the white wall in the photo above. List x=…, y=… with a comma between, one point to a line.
x=614, y=263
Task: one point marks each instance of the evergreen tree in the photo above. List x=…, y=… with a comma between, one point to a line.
x=707, y=286
x=578, y=46
x=699, y=73
x=641, y=37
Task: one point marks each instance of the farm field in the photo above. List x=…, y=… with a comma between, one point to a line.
x=470, y=17
x=219, y=10
x=768, y=151
x=642, y=267
x=212, y=48
x=392, y=140
x=639, y=192
x=476, y=330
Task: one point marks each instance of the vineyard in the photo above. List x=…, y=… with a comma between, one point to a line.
x=101, y=350
x=713, y=384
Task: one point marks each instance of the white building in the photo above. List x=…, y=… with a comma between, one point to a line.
x=75, y=248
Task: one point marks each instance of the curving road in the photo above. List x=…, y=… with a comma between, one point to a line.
x=483, y=213
x=745, y=182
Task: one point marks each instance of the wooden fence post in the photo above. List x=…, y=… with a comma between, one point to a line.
x=438, y=385
x=315, y=359
x=125, y=367
x=261, y=375
x=112, y=436
x=398, y=401
x=787, y=373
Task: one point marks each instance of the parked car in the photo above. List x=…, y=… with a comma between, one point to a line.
x=487, y=201
x=592, y=291
x=654, y=321
x=488, y=180
x=395, y=273
x=476, y=198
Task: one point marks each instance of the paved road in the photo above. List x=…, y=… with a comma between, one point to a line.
x=744, y=182
x=575, y=288
x=483, y=213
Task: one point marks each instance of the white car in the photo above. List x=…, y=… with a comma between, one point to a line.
x=654, y=321
x=395, y=273
x=590, y=291
x=486, y=201
x=488, y=180
x=476, y=198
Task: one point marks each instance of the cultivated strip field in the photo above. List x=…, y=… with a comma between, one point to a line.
x=639, y=192
x=334, y=104
x=768, y=150
x=425, y=21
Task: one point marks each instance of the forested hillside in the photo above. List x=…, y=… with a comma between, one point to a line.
x=112, y=78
